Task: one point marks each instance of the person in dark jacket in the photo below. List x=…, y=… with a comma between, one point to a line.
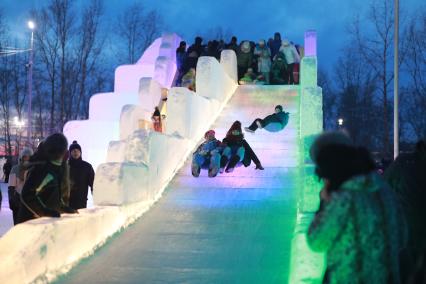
x=275, y=44
x=407, y=177
x=81, y=177
x=234, y=151
x=44, y=192
x=7, y=167
x=193, y=53
x=180, y=61
x=279, y=116
x=233, y=44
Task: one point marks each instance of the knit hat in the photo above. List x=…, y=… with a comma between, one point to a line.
x=74, y=145
x=327, y=139
x=279, y=107
x=210, y=132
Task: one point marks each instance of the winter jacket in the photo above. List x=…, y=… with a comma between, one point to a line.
x=281, y=117
x=275, y=47
x=43, y=193
x=233, y=141
x=244, y=59
x=290, y=53
x=264, y=59
x=407, y=177
x=207, y=146
x=362, y=230
x=81, y=178
x=278, y=69
x=180, y=59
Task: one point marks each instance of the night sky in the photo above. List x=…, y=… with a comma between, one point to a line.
x=246, y=19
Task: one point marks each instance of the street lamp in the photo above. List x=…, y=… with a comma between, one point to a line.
x=31, y=26
x=19, y=124
x=340, y=122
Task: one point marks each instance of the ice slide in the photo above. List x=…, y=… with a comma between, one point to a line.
x=132, y=173
x=235, y=228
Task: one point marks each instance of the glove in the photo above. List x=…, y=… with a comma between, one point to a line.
x=47, y=212
x=69, y=210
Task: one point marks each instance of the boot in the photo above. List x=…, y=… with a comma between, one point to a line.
x=259, y=167
x=223, y=162
x=195, y=169
x=232, y=163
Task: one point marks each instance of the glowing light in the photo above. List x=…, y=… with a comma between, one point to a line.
x=340, y=121
x=31, y=25
x=311, y=43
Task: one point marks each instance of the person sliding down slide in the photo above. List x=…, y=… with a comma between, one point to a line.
x=273, y=123
x=207, y=156
x=234, y=149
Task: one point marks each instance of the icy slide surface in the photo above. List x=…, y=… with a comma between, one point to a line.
x=235, y=228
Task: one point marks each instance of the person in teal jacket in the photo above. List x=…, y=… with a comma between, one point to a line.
x=280, y=117
x=359, y=224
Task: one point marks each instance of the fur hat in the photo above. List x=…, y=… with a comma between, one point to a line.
x=285, y=42
x=327, y=139
x=74, y=145
x=245, y=47
x=210, y=132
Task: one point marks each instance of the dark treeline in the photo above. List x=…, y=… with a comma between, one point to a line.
x=75, y=52
x=359, y=87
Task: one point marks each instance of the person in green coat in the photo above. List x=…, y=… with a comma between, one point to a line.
x=359, y=224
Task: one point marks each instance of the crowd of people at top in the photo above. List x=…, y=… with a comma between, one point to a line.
x=275, y=61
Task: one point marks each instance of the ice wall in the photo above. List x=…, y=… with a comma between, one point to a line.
x=140, y=165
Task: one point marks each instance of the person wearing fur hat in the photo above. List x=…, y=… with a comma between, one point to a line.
x=263, y=60
x=234, y=150
x=291, y=57
x=279, y=116
x=244, y=58
x=45, y=188
x=16, y=181
x=359, y=224
x=207, y=155
x=82, y=176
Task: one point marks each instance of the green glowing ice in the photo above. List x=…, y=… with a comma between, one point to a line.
x=307, y=266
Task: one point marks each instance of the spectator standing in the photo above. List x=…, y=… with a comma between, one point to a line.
x=275, y=44
x=263, y=60
x=233, y=44
x=244, y=59
x=82, y=176
x=7, y=167
x=180, y=61
x=407, y=177
x=359, y=224
x=17, y=179
x=291, y=57
x=156, y=120
x=44, y=192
